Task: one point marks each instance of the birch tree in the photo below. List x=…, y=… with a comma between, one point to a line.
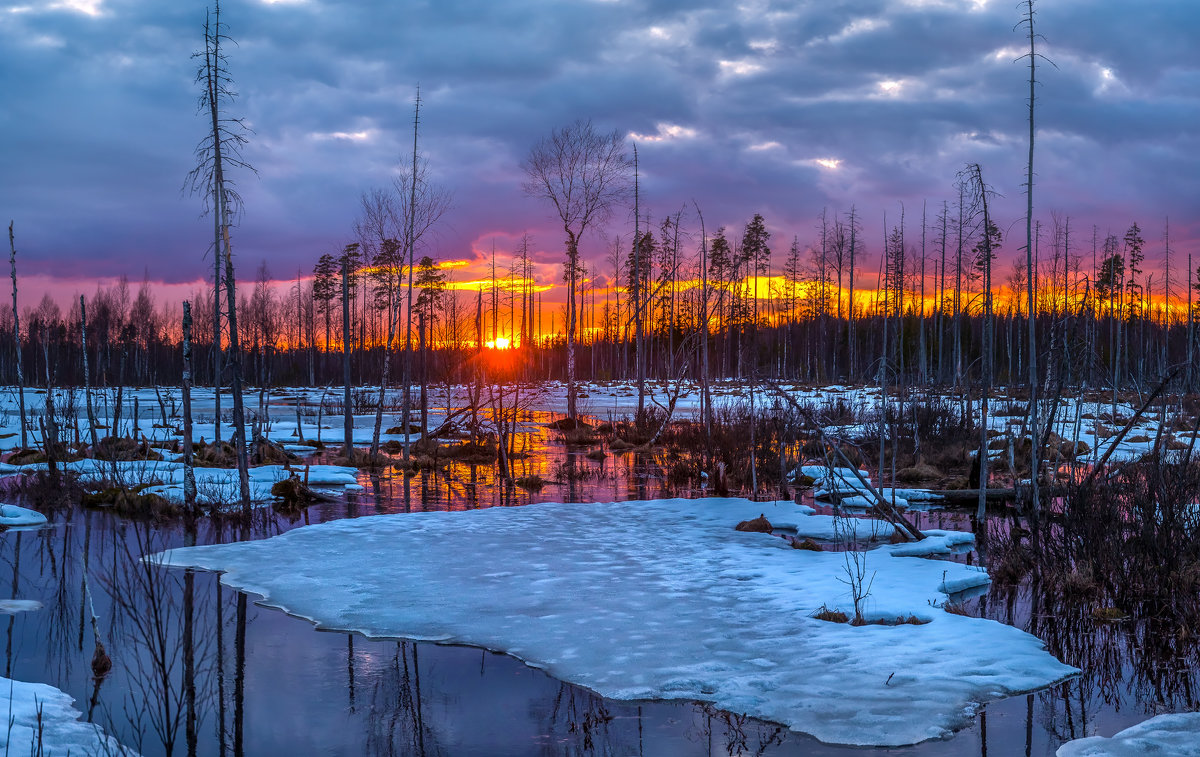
x=583, y=174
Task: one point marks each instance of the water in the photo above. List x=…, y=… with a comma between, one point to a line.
x=263, y=683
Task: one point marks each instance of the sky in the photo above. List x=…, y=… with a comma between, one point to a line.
x=780, y=108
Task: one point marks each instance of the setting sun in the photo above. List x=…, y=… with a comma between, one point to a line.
x=500, y=343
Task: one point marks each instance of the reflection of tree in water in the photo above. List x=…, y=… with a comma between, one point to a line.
x=727, y=733
x=155, y=641
x=396, y=721
x=579, y=724
x=1110, y=580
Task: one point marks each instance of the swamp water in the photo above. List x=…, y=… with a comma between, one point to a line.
x=260, y=682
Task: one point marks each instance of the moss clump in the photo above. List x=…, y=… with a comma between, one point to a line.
x=1108, y=614
x=132, y=503
x=293, y=492
x=580, y=437
x=478, y=453
x=807, y=544
x=917, y=473
x=831, y=616
x=124, y=448
x=271, y=453
x=532, y=483
x=26, y=457
x=759, y=525
x=568, y=424
x=214, y=455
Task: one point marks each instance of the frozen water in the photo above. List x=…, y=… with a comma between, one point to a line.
x=657, y=600
x=62, y=732
x=12, y=515
x=1175, y=735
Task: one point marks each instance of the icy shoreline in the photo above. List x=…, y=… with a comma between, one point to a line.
x=657, y=600
x=62, y=732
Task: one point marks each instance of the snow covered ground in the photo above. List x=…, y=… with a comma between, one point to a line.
x=658, y=600
x=214, y=486
x=159, y=422
x=1076, y=419
x=1174, y=735
x=62, y=733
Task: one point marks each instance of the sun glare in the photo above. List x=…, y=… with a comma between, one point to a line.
x=500, y=343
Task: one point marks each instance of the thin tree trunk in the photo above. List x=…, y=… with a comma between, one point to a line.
x=1031, y=275
x=347, y=418
x=189, y=475
x=17, y=338
x=235, y=363
x=87, y=380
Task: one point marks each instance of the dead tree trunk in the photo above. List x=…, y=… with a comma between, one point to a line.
x=347, y=418
x=189, y=475
x=87, y=380
x=17, y=338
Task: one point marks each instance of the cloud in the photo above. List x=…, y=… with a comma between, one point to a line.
x=742, y=106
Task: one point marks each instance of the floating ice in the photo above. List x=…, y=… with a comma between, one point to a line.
x=12, y=515
x=935, y=543
x=1176, y=735
x=656, y=600
x=14, y=606
x=62, y=733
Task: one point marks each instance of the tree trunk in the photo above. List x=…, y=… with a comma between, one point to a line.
x=347, y=418
x=17, y=339
x=189, y=475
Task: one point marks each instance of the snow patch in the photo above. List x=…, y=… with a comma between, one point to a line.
x=670, y=602
x=62, y=731
x=1177, y=735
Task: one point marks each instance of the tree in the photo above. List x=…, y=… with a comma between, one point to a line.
x=325, y=288
x=1134, y=254
x=431, y=281
x=584, y=175
x=218, y=151
x=983, y=254
x=971, y=184
x=758, y=255
x=1030, y=268
x=12, y=246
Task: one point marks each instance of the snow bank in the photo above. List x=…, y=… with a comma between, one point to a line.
x=62, y=731
x=12, y=515
x=14, y=606
x=655, y=600
x=1177, y=735
x=214, y=486
x=936, y=542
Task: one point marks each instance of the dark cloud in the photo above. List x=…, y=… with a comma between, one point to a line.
x=735, y=102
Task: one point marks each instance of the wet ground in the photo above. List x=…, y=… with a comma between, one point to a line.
x=262, y=683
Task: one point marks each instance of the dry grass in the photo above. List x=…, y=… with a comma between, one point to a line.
x=758, y=525
x=831, y=616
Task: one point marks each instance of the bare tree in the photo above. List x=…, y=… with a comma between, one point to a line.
x=217, y=151
x=583, y=174
x=1032, y=55
x=12, y=246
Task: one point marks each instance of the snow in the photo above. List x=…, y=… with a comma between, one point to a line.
x=214, y=486
x=14, y=606
x=832, y=527
x=1176, y=735
x=12, y=515
x=656, y=600
x=936, y=542
x=62, y=731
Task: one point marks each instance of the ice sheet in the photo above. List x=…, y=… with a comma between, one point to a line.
x=657, y=600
